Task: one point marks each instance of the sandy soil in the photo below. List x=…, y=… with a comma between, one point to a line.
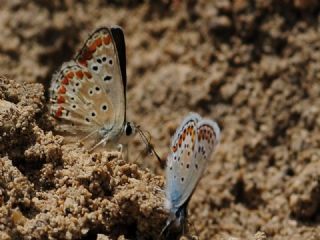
x=251, y=65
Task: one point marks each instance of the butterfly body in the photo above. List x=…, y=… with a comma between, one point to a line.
x=88, y=93
x=191, y=147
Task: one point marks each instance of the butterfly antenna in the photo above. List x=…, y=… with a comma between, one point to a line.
x=149, y=146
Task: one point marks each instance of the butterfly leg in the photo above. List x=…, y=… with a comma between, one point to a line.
x=120, y=147
x=88, y=136
x=102, y=141
x=164, y=231
x=124, y=149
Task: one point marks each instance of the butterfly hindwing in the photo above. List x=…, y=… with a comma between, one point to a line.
x=198, y=138
x=70, y=102
x=208, y=136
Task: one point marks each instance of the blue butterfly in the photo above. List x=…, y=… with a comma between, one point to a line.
x=191, y=146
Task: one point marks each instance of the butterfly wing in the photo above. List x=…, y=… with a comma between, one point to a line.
x=88, y=93
x=180, y=160
x=182, y=178
x=208, y=133
x=73, y=93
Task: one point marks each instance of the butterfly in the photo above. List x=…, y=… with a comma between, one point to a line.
x=192, y=144
x=88, y=93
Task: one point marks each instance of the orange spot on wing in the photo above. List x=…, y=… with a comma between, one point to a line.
x=86, y=55
x=98, y=42
x=59, y=112
x=65, y=81
x=70, y=74
x=174, y=148
x=61, y=99
x=180, y=141
x=107, y=39
x=93, y=47
x=79, y=74
x=183, y=136
x=83, y=62
x=88, y=75
x=62, y=90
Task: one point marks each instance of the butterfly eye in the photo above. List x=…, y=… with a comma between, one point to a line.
x=128, y=129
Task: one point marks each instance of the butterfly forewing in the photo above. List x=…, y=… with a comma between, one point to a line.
x=100, y=56
x=88, y=93
x=180, y=160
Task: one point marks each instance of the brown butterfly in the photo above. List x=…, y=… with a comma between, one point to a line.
x=88, y=93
